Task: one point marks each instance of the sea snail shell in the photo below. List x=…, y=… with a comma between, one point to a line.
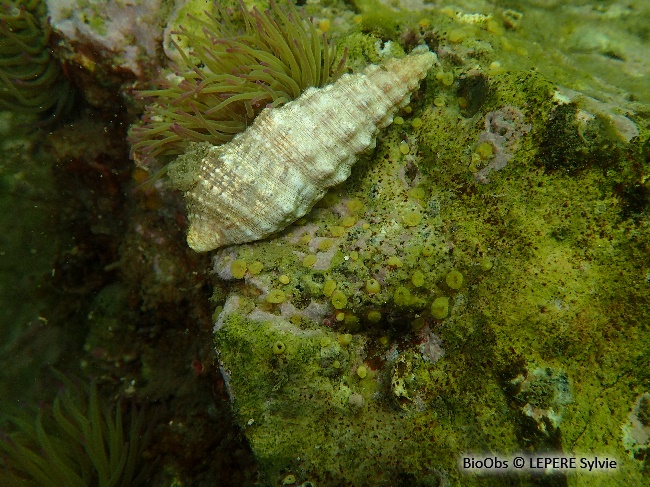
x=273, y=173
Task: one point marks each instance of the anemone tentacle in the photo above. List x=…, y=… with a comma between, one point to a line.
x=278, y=54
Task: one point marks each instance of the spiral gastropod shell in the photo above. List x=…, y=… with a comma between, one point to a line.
x=274, y=172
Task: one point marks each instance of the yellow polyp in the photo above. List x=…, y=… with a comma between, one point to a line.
x=336, y=364
x=485, y=150
x=284, y=279
x=362, y=371
x=456, y=36
x=355, y=205
x=474, y=163
x=289, y=479
x=447, y=78
x=486, y=264
x=348, y=221
x=325, y=244
x=424, y=23
x=365, y=226
x=279, y=348
x=416, y=123
x=351, y=321
x=440, y=308
x=337, y=231
x=495, y=27
x=325, y=341
x=372, y=286
x=462, y=102
x=276, y=296
x=417, y=193
x=495, y=67
x=324, y=25
x=339, y=300
x=408, y=109
x=394, y=261
x=305, y=239
x=255, y=267
x=439, y=101
x=295, y=320
x=402, y=296
x=329, y=287
x=412, y=218
x=330, y=199
x=427, y=250
x=418, y=324
x=398, y=120
x=354, y=255
x=448, y=11
x=384, y=341
x=454, y=279
x=345, y=340
x=404, y=148
x=417, y=279
x=238, y=268
x=374, y=316
x=309, y=260
x=139, y=175
x=340, y=316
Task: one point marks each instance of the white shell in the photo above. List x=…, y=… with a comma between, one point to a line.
x=273, y=173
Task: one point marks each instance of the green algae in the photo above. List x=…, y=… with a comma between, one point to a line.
x=545, y=342
x=545, y=348
x=542, y=341
x=306, y=385
x=440, y=308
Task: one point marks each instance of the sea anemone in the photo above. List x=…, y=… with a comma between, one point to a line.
x=79, y=442
x=31, y=80
x=272, y=60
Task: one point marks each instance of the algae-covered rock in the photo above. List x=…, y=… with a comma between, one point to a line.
x=429, y=311
x=317, y=410
x=480, y=285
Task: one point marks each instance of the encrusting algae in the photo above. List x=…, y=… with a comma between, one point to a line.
x=443, y=290
x=420, y=298
x=421, y=310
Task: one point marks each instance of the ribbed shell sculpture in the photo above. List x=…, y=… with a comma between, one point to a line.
x=273, y=173
x=232, y=75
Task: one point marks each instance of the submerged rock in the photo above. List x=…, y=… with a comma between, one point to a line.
x=551, y=272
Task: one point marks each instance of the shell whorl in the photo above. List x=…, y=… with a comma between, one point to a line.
x=273, y=173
